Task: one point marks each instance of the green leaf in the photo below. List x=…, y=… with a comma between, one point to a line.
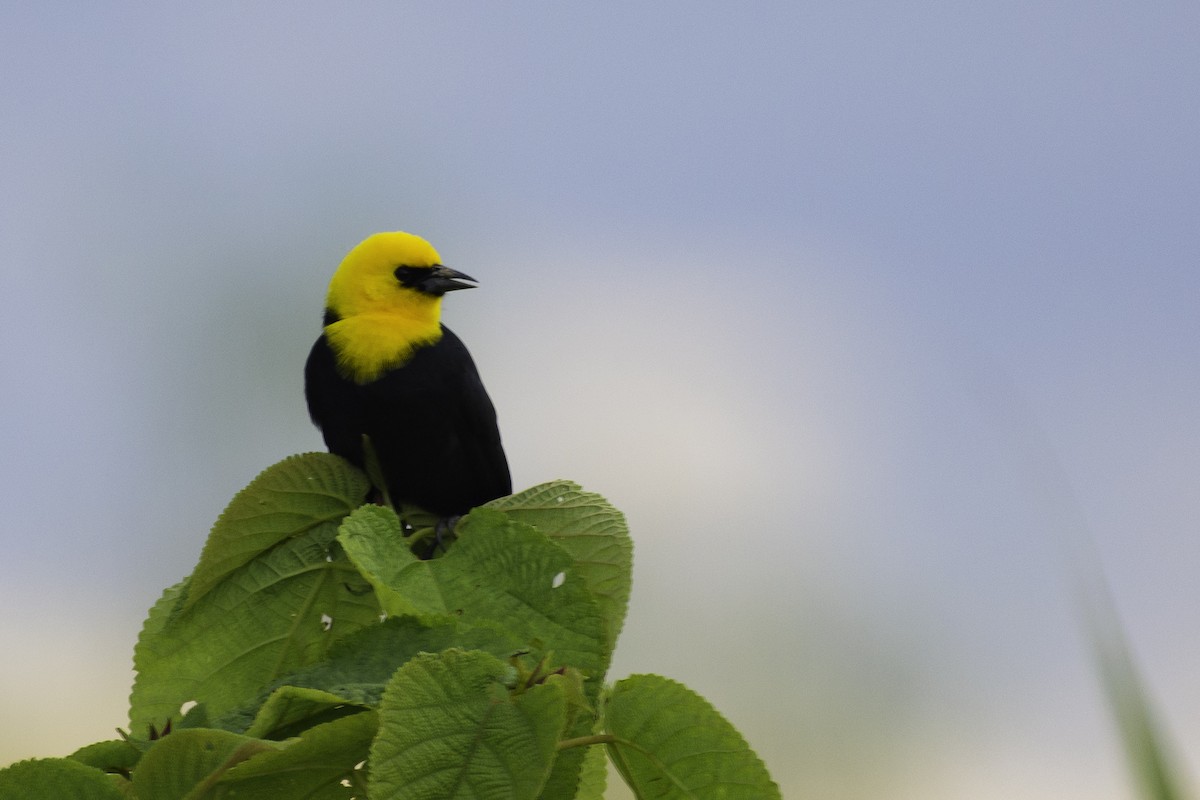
x=55, y=779
x=290, y=710
x=593, y=777
x=152, y=631
x=672, y=744
x=566, y=776
x=589, y=528
x=114, y=755
x=359, y=666
x=498, y=572
x=285, y=501
x=373, y=535
x=271, y=616
x=451, y=728
x=320, y=765
x=186, y=763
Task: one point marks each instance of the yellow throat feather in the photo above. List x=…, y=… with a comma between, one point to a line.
x=381, y=323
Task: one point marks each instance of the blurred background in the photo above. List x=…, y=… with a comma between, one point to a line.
x=866, y=315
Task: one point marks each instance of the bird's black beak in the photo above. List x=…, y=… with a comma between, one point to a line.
x=442, y=279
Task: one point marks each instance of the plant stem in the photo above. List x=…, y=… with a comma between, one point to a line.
x=583, y=741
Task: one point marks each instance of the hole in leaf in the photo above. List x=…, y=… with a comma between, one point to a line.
x=558, y=579
x=186, y=707
x=326, y=621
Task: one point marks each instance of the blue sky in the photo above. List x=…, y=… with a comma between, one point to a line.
x=861, y=312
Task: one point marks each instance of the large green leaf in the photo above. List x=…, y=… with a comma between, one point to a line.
x=356, y=671
x=589, y=528
x=373, y=538
x=671, y=744
x=113, y=755
x=285, y=501
x=186, y=763
x=452, y=728
x=290, y=710
x=498, y=572
x=570, y=776
x=55, y=779
x=322, y=764
x=593, y=777
x=271, y=616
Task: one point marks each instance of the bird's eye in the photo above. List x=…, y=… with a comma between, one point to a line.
x=409, y=276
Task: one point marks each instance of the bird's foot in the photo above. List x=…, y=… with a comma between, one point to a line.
x=443, y=534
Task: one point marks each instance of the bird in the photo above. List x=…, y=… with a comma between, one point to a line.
x=386, y=372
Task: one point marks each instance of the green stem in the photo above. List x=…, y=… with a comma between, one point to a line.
x=583, y=741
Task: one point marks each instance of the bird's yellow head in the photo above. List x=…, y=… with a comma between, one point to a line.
x=392, y=273
x=385, y=301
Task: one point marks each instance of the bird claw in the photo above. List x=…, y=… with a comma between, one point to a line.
x=443, y=531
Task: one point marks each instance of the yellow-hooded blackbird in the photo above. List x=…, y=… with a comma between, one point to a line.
x=386, y=367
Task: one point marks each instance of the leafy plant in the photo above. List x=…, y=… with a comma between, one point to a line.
x=312, y=655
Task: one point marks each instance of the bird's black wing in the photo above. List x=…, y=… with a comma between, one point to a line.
x=334, y=403
x=481, y=432
x=434, y=429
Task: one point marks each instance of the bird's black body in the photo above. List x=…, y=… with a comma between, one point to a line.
x=430, y=421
